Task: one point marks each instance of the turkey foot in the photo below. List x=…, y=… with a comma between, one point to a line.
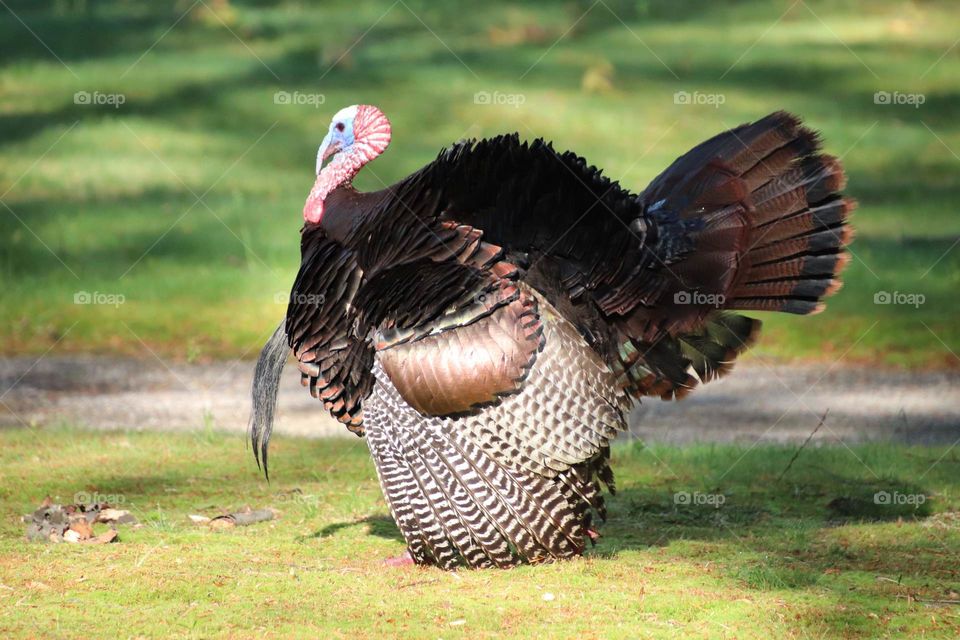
x=594, y=536
x=403, y=560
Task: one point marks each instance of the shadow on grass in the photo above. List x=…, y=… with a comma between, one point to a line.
x=83, y=30
x=112, y=29
x=778, y=535
x=381, y=526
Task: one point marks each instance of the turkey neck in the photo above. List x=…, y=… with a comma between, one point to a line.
x=346, y=210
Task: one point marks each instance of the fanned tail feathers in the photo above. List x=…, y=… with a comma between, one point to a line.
x=770, y=228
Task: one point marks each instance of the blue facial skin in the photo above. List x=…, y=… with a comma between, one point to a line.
x=335, y=140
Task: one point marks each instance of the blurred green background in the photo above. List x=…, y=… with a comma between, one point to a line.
x=183, y=203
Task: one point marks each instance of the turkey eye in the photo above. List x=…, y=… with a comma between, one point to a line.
x=340, y=126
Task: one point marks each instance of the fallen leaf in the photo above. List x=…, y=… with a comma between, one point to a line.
x=119, y=516
x=103, y=538
x=82, y=528
x=222, y=522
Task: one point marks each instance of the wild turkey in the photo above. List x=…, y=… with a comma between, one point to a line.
x=488, y=321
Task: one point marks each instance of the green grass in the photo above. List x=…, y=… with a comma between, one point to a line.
x=111, y=192
x=807, y=557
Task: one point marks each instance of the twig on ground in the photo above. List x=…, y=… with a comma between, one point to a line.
x=419, y=582
x=796, y=454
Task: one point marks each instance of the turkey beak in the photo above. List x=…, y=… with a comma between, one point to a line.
x=327, y=148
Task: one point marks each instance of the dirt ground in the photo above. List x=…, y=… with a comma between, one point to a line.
x=755, y=402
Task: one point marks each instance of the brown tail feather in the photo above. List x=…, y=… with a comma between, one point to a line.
x=774, y=229
x=771, y=211
x=797, y=232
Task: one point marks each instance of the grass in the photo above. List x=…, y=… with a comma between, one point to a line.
x=186, y=199
x=810, y=556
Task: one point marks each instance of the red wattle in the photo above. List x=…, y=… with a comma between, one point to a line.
x=313, y=210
